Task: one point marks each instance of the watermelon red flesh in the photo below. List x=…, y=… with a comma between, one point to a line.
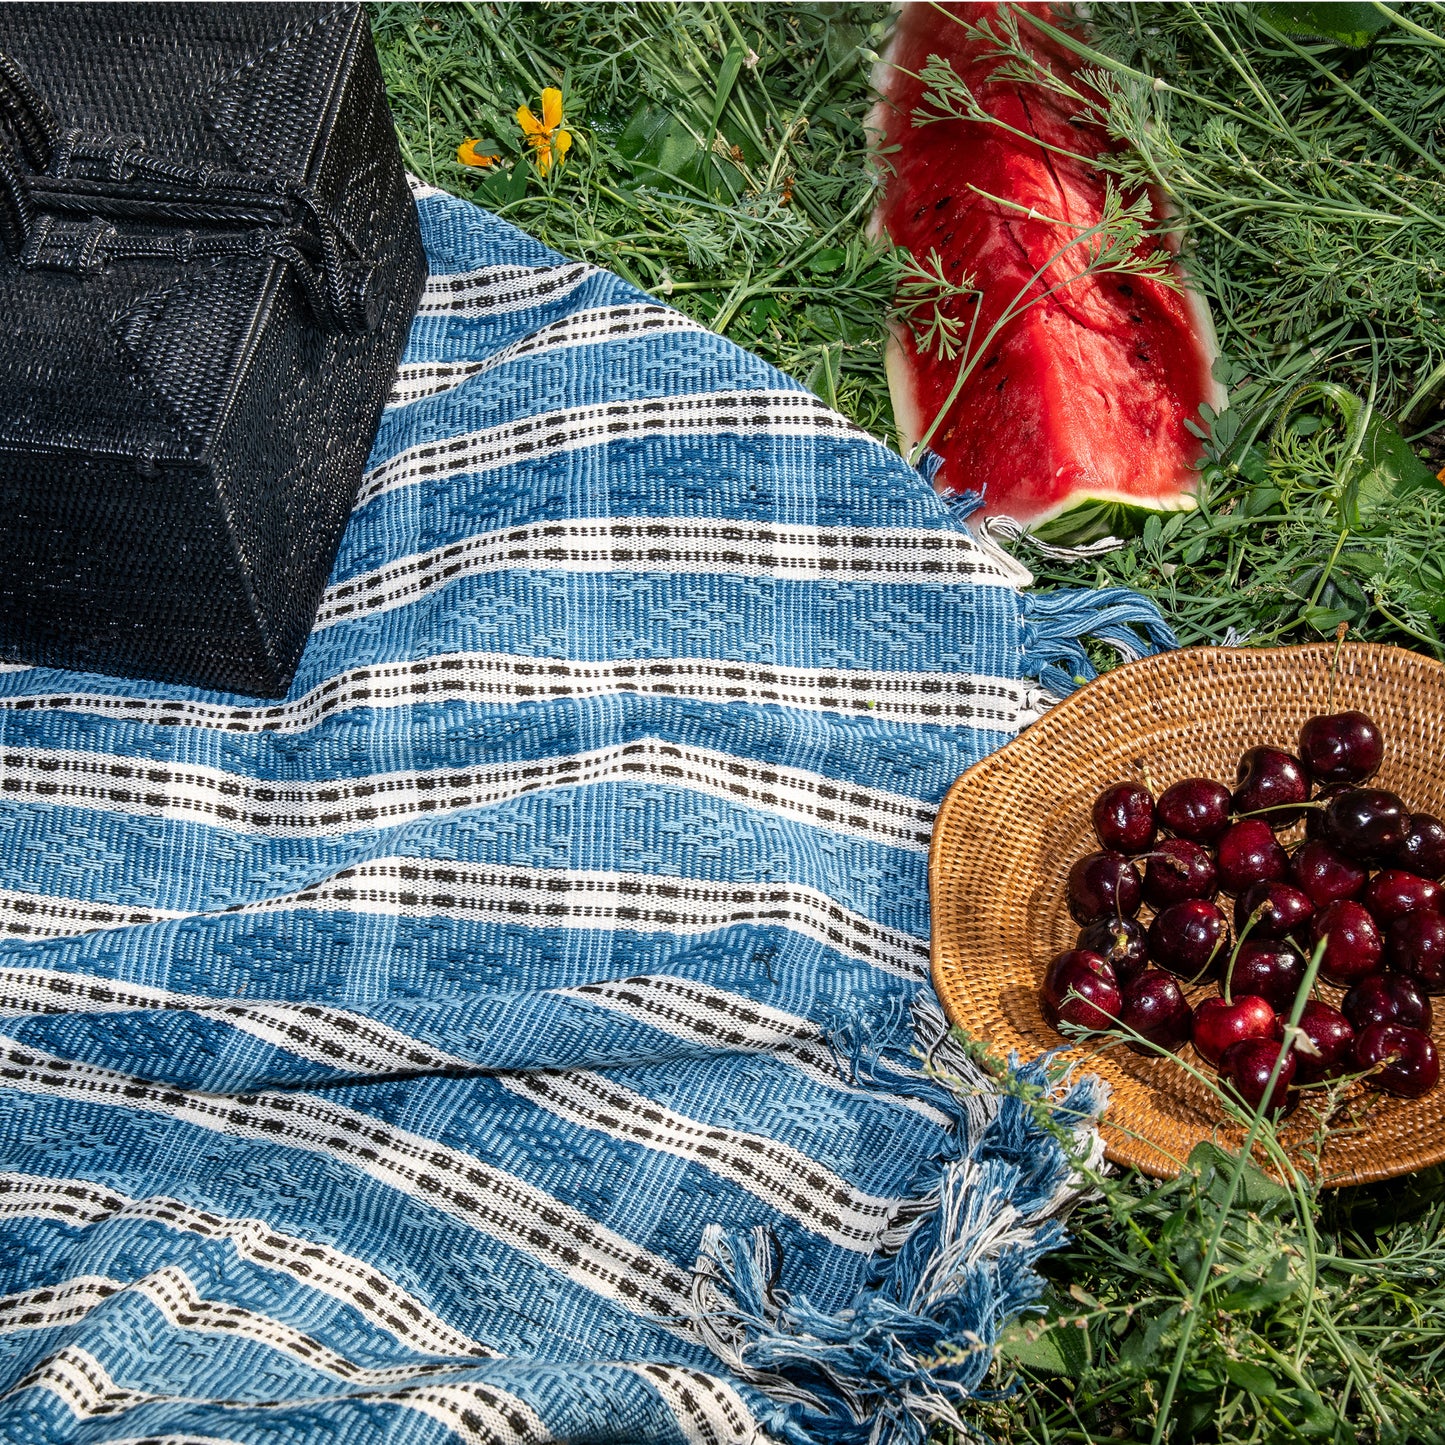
x=1085, y=396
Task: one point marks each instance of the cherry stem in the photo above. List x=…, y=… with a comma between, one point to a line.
x=1190, y=982
x=1177, y=864
x=1238, y=944
x=1340, y=631
x=1276, y=808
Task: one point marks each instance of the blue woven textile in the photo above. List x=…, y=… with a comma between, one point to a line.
x=512, y=1035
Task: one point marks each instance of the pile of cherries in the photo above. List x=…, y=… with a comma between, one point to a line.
x=1365, y=882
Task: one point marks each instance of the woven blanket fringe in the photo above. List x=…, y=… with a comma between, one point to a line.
x=1055, y=625
x=918, y=1341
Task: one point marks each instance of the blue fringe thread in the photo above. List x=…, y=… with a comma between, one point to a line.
x=1055, y=624
x=919, y=1338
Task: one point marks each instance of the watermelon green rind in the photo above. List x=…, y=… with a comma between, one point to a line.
x=1098, y=517
x=1088, y=396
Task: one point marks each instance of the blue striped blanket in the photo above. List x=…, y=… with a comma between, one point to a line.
x=518, y=1033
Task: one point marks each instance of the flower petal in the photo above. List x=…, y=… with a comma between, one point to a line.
x=469, y=155
x=529, y=122
x=561, y=143
x=552, y=107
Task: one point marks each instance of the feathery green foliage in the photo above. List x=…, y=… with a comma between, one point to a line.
x=1306, y=179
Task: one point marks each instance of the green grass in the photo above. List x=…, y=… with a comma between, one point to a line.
x=1307, y=181
x=720, y=161
x=1241, y=1303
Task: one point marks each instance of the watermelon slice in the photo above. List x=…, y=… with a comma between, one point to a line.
x=1077, y=414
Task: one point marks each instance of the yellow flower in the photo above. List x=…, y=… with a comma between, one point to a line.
x=469, y=155
x=548, y=140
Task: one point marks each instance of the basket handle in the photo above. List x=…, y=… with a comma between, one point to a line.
x=61, y=191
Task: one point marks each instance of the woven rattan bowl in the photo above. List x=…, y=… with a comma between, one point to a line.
x=1012, y=824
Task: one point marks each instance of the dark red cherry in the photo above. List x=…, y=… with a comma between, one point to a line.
x=1249, y=853
x=1079, y=988
x=1387, y=998
x=1218, y=1025
x=1354, y=946
x=1323, y=876
x=1404, y=1059
x=1268, y=783
x=1271, y=968
x=1103, y=885
x=1366, y=824
x=1121, y=941
x=1246, y=1068
x=1415, y=944
x=1315, y=816
x=1178, y=869
x=1423, y=850
x=1281, y=909
x=1195, y=808
x=1333, y=1038
x=1190, y=938
x=1155, y=1006
x=1392, y=893
x=1341, y=747
x=1124, y=817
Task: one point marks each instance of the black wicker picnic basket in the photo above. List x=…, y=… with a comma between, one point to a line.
x=209, y=261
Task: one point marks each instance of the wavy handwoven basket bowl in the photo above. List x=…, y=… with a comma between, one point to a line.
x=1012, y=824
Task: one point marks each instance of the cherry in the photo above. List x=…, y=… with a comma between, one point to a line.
x=1387, y=998
x=1195, y=808
x=1341, y=747
x=1404, y=1059
x=1272, y=780
x=1247, y=1067
x=1219, y=1023
x=1333, y=1037
x=1118, y=940
x=1323, y=876
x=1392, y=893
x=1278, y=910
x=1315, y=817
x=1087, y=975
x=1189, y=937
x=1155, y=1006
x=1178, y=869
x=1124, y=817
x=1103, y=885
x=1249, y=853
x=1423, y=850
x=1353, y=946
x=1272, y=969
x=1366, y=824
x=1415, y=945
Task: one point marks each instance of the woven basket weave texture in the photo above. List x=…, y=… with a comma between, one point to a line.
x=1012, y=824
x=210, y=262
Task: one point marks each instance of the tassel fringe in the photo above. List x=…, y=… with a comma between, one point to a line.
x=1055, y=624
x=918, y=1341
